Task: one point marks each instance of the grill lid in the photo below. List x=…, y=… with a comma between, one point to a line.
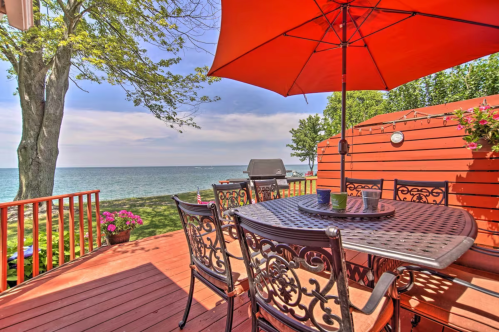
x=272, y=168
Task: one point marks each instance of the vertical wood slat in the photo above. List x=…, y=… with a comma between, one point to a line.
x=299, y=188
x=36, y=231
x=97, y=214
x=49, y=234
x=81, y=227
x=61, y=231
x=89, y=223
x=20, y=244
x=71, y=228
x=3, y=249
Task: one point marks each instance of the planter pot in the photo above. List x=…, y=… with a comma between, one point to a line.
x=486, y=146
x=121, y=237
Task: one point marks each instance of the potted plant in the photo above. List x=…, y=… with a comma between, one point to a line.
x=118, y=225
x=481, y=125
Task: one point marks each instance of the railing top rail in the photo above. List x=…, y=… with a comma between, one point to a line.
x=44, y=199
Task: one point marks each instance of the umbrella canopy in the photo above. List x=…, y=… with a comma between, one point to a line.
x=306, y=46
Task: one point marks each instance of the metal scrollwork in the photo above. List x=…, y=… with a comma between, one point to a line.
x=280, y=280
x=421, y=195
x=232, y=199
x=204, y=242
x=355, y=189
x=267, y=192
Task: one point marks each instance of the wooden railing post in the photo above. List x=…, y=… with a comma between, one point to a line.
x=49, y=234
x=20, y=244
x=80, y=223
x=61, y=231
x=97, y=212
x=3, y=249
x=89, y=223
x=36, y=230
x=71, y=228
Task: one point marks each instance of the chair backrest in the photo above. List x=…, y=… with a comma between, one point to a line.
x=429, y=192
x=266, y=190
x=355, y=186
x=231, y=196
x=205, y=239
x=289, y=280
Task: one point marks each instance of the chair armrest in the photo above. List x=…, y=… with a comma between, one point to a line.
x=458, y=281
x=386, y=281
x=485, y=251
x=233, y=256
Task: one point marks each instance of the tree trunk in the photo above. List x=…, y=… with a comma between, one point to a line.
x=42, y=104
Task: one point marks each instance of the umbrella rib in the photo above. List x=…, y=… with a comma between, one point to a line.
x=388, y=26
x=361, y=24
x=369, y=51
x=306, y=62
x=314, y=40
x=397, y=11
x=330, y=24
x=268, y=41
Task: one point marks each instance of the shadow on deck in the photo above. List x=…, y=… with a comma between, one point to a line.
x=137, y=286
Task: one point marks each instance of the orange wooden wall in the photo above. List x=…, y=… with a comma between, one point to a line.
x=433, y=150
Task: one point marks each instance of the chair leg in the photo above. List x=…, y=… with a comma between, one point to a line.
x=416, y=319
x=230, y=313
x=181, y=324
x=254, y=324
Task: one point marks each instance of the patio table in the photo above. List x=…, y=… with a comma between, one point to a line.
x=423, y=234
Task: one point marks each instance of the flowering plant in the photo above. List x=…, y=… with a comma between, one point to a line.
x=479, y=123
x=116, y=222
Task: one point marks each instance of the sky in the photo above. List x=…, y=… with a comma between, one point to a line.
x=102, y=129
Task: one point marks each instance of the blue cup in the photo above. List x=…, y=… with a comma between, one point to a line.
x=323, y=196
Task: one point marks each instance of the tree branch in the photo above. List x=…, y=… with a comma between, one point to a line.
x=11, y=57
x=79, y=87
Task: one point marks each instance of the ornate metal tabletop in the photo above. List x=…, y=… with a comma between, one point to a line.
x=423, y=234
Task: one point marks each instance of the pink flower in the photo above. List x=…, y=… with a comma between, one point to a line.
x=496, y=116
x=484, y=108
x=472, y=146
x=471, y=109
x=460, y=127
x=469, y=119
x=128, y=223
x=86, y=235
x=109, y=219
x=111, y=228
x=446, y=118
x=483, y=122
x=140, y=221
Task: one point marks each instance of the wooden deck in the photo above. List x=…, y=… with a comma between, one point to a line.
x=137, y=286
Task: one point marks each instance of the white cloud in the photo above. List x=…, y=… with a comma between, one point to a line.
x=104, y=138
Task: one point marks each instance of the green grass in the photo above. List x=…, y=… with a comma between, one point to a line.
x=158, y=213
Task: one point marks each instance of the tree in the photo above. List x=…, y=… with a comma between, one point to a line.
x=305, y=139
x=474, y=79
x=361, y=106
x=99, y=40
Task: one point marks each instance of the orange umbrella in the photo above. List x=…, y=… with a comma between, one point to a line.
x=306, y=46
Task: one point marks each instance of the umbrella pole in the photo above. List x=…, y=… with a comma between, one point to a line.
x=343, y=144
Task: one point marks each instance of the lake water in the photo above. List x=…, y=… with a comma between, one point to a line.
x=126, y=182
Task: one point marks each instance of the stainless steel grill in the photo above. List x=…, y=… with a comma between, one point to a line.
x=261, y=169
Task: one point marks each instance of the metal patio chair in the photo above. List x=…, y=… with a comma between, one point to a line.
x=292, y=293
x=429, y=192
x=355, y=186
x=213, y=262
x=230, y=196
x=266, y=190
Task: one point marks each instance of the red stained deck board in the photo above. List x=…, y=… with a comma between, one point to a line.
x=143, y=291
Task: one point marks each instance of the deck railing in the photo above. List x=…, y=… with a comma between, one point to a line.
x=17, y=211
x=298, y=188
